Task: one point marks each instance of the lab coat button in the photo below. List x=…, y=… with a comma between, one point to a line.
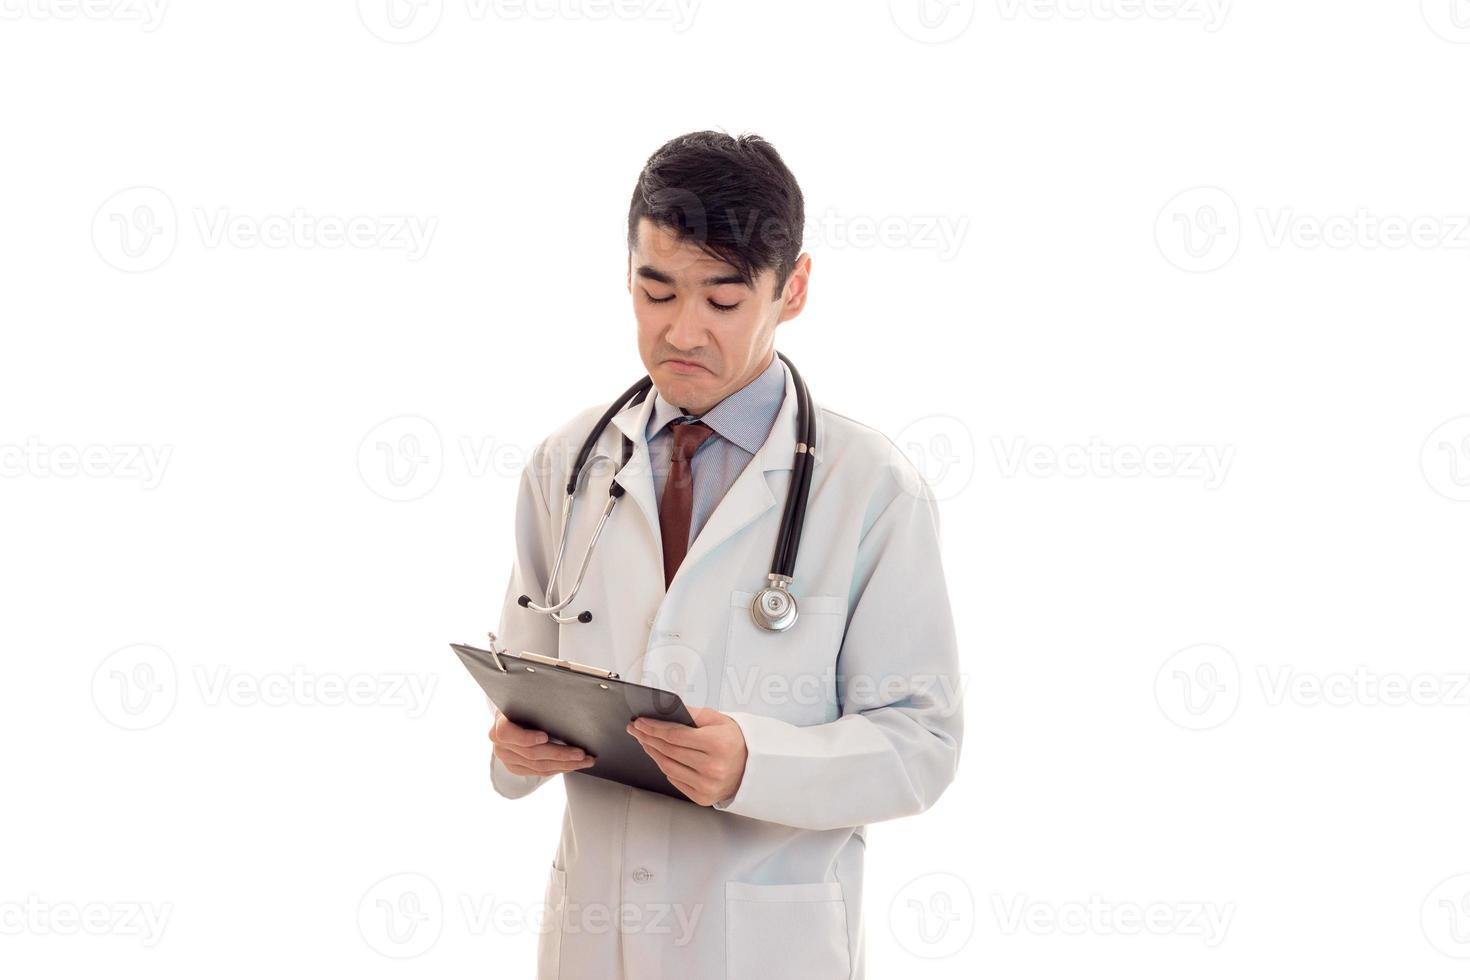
x=642, y=874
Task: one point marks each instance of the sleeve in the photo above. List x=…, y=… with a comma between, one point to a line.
x=522, y=629
x=896, y=745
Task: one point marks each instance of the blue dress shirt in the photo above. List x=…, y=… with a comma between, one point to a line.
x=741, y=422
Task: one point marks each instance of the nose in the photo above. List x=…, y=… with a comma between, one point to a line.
x=685, y=332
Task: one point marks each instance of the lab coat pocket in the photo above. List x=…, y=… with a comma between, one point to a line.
x=548, y=951
x=792, y=674
x=773, y=932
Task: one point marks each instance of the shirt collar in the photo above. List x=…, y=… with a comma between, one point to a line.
x=743, y=417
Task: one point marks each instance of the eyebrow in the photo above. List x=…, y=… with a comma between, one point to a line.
x=649, y=272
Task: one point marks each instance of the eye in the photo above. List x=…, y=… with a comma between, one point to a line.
x=657, y=299
x=723, y=309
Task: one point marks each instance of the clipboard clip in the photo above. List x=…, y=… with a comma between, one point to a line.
x=609, y=675
x=495, y=654
x=496, y=650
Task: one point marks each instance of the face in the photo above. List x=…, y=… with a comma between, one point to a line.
x=702, y=333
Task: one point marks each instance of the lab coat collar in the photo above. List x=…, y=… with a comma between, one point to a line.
x=749, y=496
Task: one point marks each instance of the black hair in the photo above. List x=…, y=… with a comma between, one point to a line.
x=733, y=196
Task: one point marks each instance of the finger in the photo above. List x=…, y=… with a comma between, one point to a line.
x=544, y=767
x=685, y=788
x=686, y=755
x=510, y=733
x=671, y=731
x=546, y=753
x=673, y=768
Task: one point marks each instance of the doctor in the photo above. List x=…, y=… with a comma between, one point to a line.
x=803, y=737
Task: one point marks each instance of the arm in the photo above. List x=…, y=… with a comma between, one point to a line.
x=897, y=744
x=522, y=629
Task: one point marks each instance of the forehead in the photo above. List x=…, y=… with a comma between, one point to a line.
x=663, y=256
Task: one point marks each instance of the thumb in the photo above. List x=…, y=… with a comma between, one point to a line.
x=707, y=716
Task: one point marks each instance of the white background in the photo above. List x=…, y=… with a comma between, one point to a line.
x=1190, y=226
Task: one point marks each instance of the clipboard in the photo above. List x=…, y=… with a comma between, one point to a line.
x=579, y=705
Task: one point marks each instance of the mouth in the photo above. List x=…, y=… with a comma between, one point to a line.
x=684, y=367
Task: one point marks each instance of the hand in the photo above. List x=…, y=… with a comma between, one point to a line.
x=525, y=752
x=705, y=763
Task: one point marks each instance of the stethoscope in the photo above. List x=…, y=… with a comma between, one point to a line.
x=774, y=607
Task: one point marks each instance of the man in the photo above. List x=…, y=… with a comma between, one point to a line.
x=802, y=737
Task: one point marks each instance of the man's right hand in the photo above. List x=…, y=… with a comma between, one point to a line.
x=528, y=752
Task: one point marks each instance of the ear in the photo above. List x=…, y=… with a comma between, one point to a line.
x=794, y=295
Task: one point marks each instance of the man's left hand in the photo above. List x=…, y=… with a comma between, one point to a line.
x=705, y=763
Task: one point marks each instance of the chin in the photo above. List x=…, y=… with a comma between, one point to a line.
x=679, y=388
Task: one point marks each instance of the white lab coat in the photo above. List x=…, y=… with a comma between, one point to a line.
x=850, y=717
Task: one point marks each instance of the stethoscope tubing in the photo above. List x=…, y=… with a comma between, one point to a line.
x=788, y=538
x=783, y=561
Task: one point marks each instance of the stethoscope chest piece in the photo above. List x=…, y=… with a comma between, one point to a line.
x=774, y=608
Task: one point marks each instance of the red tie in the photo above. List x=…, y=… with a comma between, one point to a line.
x=678, y=502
